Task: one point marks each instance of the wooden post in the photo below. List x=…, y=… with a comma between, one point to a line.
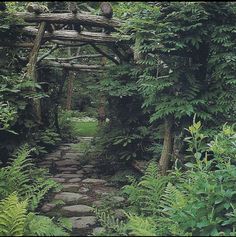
x=31, y=68
x=101, y=109
x=70, y=84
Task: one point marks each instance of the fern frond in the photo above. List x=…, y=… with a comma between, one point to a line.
x=37, y=191
x=172, y=200
x=12, y=216
x=109, y=222
x=140, y=226
x=43, y=226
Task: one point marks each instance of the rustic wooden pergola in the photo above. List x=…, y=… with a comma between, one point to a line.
x=72, y=28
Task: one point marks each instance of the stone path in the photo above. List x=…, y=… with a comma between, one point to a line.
x=82, y=188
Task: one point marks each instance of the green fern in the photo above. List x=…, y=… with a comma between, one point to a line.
x=22, y=177
x=140, y=226
x=172, y=200
x=38, y=191
x=147, y=193
x=13, y=214
x=16, y=176
x=109, y=222
x=43, y=226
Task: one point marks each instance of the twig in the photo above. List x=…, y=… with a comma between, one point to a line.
x=49, y=52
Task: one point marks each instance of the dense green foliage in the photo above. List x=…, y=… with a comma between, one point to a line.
x=126, y=135
x=199, y=201
x=184, y=65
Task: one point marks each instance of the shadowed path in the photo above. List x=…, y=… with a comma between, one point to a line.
x=83, y=188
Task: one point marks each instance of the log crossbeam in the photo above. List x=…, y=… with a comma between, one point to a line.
x=72, y=35
x=72, y=66
x=70, y=18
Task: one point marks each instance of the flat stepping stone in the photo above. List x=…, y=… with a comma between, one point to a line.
x=56, y=154
x=67, y=169
x=80, y=172
x=47, y=207
x=83, y=190
x=94, y=181
x=60, y=180
x=69, y=197
x=83, y=222
x=70, y=176
x=71, y=156
x=101, y=192
x=88, y=166
x=74, y=180
x=69, y=144
x=86, y=138
x=66, y=162
x=64, y=148
x=71, y=187
x=50, y=158
x=76, y=210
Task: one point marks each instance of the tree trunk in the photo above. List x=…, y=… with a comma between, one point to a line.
x=31, y=68
x=167, y=146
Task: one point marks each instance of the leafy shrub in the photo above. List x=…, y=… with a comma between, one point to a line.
x=44, y=141
x=199, y=201
x=7, y=116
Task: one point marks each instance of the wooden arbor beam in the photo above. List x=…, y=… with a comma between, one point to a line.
x=70, y=18
x=72, y=35
x=71, y=66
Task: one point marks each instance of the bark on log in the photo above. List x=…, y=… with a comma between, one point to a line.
x=102, y=100
x=49, y=52
x=70, y=83
x=68, y=43
x=72, y=7
x=31, y=67
x=72, y=35
x=20, y=45
x=77, y=57
x=167, y=146
x=70, y=90
x=71, y=66
x=69, y=18
x=106, y=9
x=36, y=8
